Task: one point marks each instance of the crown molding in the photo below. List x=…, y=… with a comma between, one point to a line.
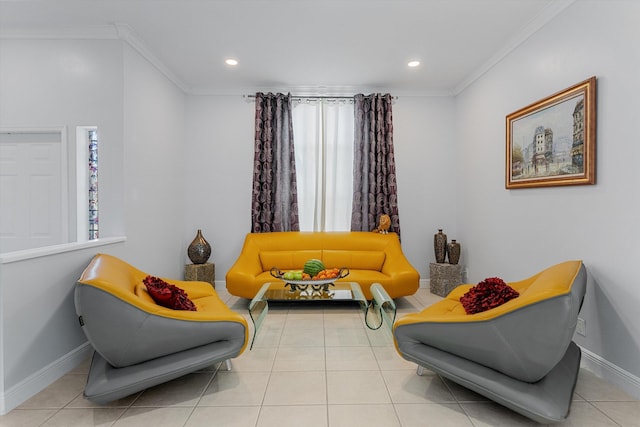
x=95, y=32
x=543, y=18
x=128, y=35
x=88, y=32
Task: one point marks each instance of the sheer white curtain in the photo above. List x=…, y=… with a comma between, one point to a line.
x=323, y=139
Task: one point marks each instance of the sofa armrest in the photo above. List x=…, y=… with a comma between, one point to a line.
x=405, y=278
x=248, y=263
x=241, y=277
x=243, y=270
x=397, y=266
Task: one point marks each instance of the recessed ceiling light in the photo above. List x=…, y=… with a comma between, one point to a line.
x=231, y=61
x=413, y=64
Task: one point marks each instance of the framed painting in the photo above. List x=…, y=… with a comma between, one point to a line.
x=552, y=142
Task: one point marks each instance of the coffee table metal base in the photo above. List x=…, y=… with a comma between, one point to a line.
x=381, y=310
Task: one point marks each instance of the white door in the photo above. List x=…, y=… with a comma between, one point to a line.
x=32, y=190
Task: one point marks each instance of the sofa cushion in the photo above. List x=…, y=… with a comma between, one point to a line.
x=357, y=260
x=488, y=294
x=288, y=259
x=168, y=295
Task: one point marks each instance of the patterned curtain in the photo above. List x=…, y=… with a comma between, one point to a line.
x=275, y=198
x=374, y=167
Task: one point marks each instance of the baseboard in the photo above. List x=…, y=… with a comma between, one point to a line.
x=42, y=379
x=610, y=372
x=424, y=283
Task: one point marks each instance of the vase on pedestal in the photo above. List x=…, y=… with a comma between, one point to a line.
x=199, y=250
x=453, y=249
x=440, y=246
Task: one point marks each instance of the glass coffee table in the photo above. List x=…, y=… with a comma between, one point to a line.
x=380, y=310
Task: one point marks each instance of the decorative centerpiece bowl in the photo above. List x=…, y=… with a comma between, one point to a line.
x=303, y=285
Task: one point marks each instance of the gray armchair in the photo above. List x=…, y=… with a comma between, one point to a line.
x=519, y=354
x=138, y=343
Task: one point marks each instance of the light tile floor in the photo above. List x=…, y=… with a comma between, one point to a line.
x=312, y=365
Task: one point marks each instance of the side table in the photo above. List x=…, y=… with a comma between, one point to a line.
x=443, y=278
x=201, y=272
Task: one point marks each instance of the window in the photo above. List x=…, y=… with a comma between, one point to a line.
x=323, y=138
x=36, y=208
x=87, y=183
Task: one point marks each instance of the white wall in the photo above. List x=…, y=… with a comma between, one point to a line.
x=70, y=83
x=515, y=233
x=56, y=83
x=220, y=163
x=154, y=167
x=140, y=117
x=217, y=185
x=424, y=143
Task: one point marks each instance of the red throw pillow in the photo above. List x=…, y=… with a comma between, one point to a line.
x=486, y=295
x=168, y=295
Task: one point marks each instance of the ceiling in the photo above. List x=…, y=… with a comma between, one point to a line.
x=303, y=46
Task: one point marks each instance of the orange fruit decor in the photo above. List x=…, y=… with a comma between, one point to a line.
x=327, y=273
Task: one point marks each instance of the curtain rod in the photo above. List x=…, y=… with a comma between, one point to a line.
x=298, y=97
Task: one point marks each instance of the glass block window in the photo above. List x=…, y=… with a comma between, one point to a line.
x=93, y=185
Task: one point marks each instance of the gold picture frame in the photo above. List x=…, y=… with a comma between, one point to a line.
x=552, y=142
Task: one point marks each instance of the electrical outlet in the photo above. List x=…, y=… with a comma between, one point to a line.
x=581, y=327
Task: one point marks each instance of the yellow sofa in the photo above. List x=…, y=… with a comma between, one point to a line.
x=370, y=257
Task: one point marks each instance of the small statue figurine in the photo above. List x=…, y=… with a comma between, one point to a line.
x=385, y=223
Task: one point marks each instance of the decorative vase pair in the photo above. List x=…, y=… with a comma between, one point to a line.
x=442, y=248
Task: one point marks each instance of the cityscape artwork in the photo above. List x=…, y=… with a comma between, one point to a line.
x=552, y=142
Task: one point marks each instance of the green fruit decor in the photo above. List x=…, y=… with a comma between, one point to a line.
x=293, y=275
x=313, y=266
